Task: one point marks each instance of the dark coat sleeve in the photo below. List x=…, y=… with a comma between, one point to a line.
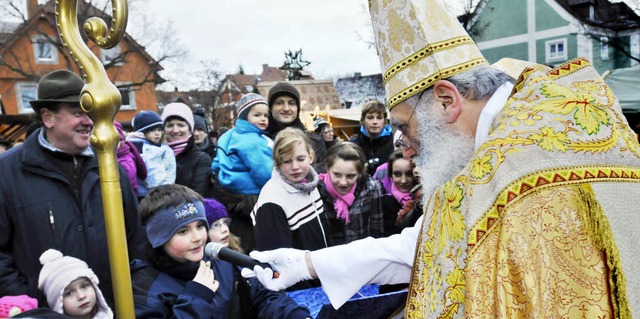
x=12, y=283
x=271, y=229
x=193, y=303
x=202, y=174
x=136, y=235
x=271, y=304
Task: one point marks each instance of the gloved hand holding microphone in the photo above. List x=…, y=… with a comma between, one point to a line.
x=293, y=265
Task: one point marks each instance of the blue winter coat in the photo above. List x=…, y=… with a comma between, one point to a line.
x=243, y=162
x=172, y=293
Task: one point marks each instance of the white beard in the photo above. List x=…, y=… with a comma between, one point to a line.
x=444, y=152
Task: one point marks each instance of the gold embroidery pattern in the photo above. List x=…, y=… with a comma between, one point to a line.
x=424, y=53
x=441, y=288
x=579, y=118
x=546, y=179
x=539, y=262
x=427, y=82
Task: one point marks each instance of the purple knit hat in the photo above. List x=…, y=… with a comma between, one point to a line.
x=214, y=210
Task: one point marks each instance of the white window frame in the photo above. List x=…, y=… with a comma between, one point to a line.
x=23, y=103
x=35, y=41
x=131, y=95
x=556, y=57
x=604, y=48
x=106, y=56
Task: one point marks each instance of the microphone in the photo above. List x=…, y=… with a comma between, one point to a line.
x=219, y=251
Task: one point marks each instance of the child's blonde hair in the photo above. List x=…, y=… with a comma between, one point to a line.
x=286, y=143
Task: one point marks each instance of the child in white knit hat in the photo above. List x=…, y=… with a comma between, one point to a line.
x=71, y=287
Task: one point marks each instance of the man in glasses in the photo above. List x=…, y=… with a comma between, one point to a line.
x=528, y=185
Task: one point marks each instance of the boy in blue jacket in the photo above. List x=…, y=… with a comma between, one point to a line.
x=178, y=283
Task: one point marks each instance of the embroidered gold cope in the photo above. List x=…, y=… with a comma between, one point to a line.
x=522, y=231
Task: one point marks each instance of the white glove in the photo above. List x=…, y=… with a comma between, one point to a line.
x=288, y=262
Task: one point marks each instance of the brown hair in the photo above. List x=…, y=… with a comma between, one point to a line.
x=373, y=106
x=396, y=155
x=286, y=143
x=347, y=151
x=165, y=196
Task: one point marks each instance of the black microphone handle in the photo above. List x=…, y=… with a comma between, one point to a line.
x=239, y=259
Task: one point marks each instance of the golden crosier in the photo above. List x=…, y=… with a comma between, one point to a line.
x=101, y=100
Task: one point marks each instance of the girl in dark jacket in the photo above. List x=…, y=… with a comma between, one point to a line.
x=193, y=166
x=178, y=283
x=400, y=172
x=352, y=199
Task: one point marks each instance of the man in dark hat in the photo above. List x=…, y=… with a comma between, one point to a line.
x=50, y=193
x=200, y=135
x=284, y=107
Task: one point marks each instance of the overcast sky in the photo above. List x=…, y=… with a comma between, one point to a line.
x=255, y=32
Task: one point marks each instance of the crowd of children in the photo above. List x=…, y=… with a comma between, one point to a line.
x=266, y=183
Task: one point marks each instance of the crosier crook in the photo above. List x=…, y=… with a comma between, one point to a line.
x=101, y=100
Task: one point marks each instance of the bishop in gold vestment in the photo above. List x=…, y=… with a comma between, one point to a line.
x=530, y=227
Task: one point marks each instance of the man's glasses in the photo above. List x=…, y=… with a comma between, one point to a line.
x=400, y=142
x=217, y=225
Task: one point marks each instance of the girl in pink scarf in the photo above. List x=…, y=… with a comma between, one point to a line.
x=352, y=199
x=400, y=172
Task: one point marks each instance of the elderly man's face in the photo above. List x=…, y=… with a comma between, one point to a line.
x=438, y=149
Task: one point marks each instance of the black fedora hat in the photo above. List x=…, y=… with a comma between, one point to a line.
x=58, y=86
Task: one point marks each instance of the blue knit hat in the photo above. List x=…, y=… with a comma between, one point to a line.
x=214, y=210
x=167, y=221
x=146, y=120
x=246, y=102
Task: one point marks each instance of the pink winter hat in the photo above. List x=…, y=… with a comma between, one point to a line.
x=180, y=110
x=13, y=305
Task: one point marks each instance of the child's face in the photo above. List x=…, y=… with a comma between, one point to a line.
x=374, y=123
x=154, y=135
x=402, y=174
x=343, y=175
x=296, y=168
x=219, y=231
x=259, y=116
x=79, y=298
x=187, y=244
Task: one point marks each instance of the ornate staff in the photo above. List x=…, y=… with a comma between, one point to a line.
x=101, y=100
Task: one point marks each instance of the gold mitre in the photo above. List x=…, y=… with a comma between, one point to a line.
x=419, y=43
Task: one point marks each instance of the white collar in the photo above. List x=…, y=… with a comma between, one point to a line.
x=489, y=112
